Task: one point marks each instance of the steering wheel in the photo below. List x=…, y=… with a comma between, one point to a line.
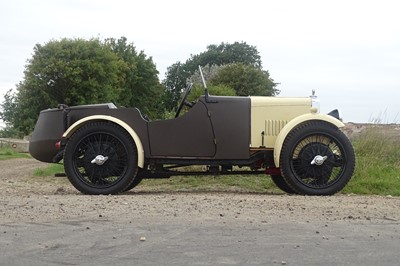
x=184, y=102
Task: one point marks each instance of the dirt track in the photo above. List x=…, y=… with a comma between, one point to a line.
x=45, y=221
x=26, y=198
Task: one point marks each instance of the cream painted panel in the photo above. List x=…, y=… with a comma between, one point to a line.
x=271, y=114
x=296, y=121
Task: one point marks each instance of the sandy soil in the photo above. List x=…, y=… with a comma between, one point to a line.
x=25, y=199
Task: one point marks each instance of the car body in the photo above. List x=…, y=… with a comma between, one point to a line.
x=108, y=150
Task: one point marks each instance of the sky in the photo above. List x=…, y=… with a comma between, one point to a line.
x=348, y=51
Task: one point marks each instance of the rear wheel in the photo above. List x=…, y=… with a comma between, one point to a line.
x=317, y=159
x=101, y=158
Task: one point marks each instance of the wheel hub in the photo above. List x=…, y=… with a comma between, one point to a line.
x=319, y=160
x=313, y=162
x=99, y=160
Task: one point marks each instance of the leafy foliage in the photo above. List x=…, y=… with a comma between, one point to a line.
x=215, y=55
x=221, y=90
x=198, y=87
x=140, y=87
x=77, y=71
x=174, y=82
x=208, y=72
x=7, y=114
x=245, y=80
x=224, y=54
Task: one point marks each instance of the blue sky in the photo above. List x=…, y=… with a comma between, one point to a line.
x=348, y=51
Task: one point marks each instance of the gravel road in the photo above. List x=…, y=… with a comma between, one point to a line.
x=49, y=220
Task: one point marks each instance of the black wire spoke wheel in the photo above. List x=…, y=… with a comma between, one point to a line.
x=317, y=159
x=100, y=158
x=314, y=160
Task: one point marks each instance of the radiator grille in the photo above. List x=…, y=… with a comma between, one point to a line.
x=273, y=127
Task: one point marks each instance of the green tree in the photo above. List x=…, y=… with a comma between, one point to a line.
x=208, y=73
x=7, y=114
x=174, y=82
x=215, y=55
x=224, y=54
x=77, y=71
x=218, y=90
x=69, y=71
x=140, y=87
x=198, y=90
x=246, y=80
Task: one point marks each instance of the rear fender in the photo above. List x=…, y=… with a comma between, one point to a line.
x=294, y=123
x=78, y=124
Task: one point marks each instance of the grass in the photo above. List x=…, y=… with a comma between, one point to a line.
x=50, y=170
x=377, y=163
x=7, y=153
x=377, y=171
x=242, y=183
x=239, y=183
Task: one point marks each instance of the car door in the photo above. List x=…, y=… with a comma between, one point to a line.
x=188, y=136
x=230, y=117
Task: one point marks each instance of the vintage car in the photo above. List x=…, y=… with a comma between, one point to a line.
x=109, y=150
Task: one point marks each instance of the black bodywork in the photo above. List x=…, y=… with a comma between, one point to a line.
x=214, y=129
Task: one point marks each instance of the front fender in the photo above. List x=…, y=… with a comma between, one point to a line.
x=78, y=124
x=294, y=123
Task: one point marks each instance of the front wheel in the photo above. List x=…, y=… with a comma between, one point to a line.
x=101, y=158
x=280, y=182
x=317, y=159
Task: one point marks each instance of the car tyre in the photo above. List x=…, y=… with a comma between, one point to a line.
x=101, y=158
x=317, y=159
x=135, y=182
x=280, y=182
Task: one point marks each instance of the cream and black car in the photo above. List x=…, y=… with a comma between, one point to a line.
x=109, y=150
